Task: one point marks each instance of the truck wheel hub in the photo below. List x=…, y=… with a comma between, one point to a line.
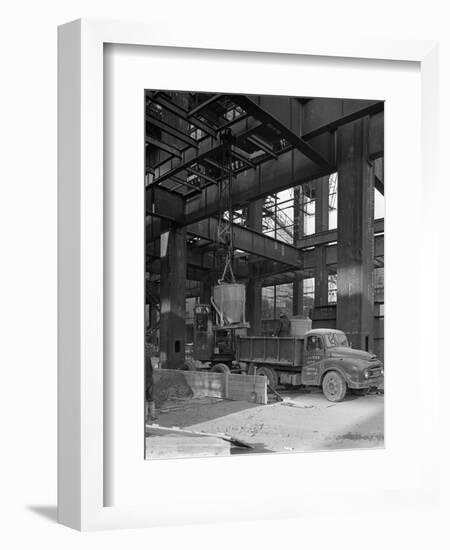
x=332, y=387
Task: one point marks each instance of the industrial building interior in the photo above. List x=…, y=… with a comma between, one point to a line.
x=282, y=194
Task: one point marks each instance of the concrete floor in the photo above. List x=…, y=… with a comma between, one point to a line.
x=304, y=422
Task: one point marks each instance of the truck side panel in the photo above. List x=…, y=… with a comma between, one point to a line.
x=282, y=352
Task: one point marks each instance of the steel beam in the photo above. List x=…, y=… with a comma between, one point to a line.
x=321, y=114
x=174, y=132
x=193, y=272
x=330, y=236
x=250, y=241
x=162, y=203
x=289, y=170
x=292, y=168
x=263, y=146
x=200, y=267
x=242, y=156
x=164, y=146
x=376, y=136
x=378, y=170
x=206, y=148
x=182, y=113
x=204, y=104
x=355, y=246
x=266, y=115
x=172, y=291
x=206, y=230
x=319, y=117
x=283, y=275
x=201, y=175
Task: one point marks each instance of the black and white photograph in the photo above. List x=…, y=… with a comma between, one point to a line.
x=195, y=227
x=264, y=274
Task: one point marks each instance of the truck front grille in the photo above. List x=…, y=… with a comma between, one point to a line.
x=374, y=372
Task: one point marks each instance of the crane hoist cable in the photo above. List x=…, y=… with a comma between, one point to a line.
x=225, y=224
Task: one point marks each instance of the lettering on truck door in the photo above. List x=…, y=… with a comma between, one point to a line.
x=314, y=354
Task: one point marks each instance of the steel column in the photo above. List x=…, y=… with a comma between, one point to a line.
x=355, y=249
x=173, y=297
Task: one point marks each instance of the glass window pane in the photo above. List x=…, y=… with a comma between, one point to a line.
x=268, y=306
x=332, y=202
x=332, y=289
x=284, y=299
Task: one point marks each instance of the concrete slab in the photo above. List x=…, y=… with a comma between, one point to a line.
x=316, y=424
x=174, y=445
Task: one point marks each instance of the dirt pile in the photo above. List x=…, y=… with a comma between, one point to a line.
x=169, y=385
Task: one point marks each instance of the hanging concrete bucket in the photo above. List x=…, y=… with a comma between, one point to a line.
x=229, y=302
x=300, y=325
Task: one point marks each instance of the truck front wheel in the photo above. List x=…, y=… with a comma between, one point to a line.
x=334, y=386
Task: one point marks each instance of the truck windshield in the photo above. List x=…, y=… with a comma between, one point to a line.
x=335, y=339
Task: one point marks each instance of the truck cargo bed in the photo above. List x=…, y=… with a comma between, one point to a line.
x=285, y=352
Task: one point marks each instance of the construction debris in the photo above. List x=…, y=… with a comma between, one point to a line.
x=177, y=430
x=293, y=403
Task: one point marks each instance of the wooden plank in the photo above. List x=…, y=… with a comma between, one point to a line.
x=208, y=384
x=247, y=387
x=237, y=387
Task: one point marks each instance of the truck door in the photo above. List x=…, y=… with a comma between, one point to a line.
x=314, y=354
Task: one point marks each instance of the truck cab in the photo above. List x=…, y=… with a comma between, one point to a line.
x=330, y=362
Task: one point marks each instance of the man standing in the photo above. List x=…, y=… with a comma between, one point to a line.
x=150, y=412
x=283, y=327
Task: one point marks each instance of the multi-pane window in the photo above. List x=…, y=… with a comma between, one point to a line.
x=278, y=216
x=268, y=302
x=378, y=284
x=332, y=201
x=379, y=205
x=283, y=301
x=277, y=300
x=308, y=208
x=308, y=295
x=332, y=289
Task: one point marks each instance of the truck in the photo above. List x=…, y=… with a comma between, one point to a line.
x=320, y=357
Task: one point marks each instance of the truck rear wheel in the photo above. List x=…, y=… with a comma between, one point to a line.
x=221, y=367
x=334, y=386
x=270, y=374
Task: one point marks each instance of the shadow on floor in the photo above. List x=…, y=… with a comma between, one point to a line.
x=50, y=513
x=195, y=411
x=364, y=434
x=257, y=448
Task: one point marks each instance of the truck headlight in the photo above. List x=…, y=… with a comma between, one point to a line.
x=366, y=374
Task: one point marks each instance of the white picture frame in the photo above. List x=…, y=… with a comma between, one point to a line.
x=81, y=479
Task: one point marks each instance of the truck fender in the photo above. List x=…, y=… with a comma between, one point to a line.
x=332, y=367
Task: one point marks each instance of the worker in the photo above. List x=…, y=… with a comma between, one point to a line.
x=150, y=411
x=283, y=327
